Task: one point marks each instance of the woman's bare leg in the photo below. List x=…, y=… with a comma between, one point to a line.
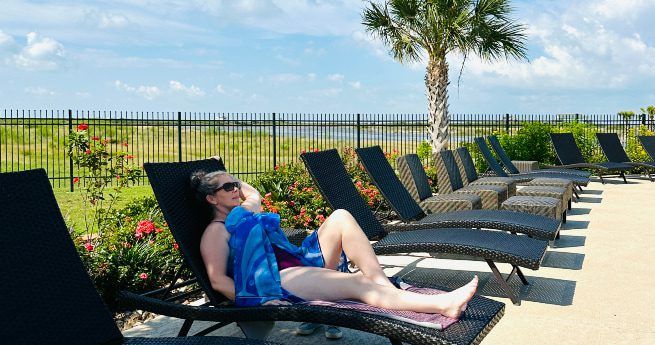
x=340, y=231
x=313, y=283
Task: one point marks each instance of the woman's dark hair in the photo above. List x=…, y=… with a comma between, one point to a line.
x=205, y=183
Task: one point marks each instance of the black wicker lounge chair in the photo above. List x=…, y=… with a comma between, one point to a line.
x=512, y=169
x=187, y=220
x=614, y=152
x=524, y=177
x=570, y=156
x=330, y=175
x=648, y=143
x=48, y=298
x=470, y=174
x=397, y=196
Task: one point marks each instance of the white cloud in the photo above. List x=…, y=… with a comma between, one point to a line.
x=192, y=90
x=40, y=54
x=220, y=89
x=110, y=20
x=281, y=78
x=356, y=85
x=147, y=92
x=6, y=41
x=338, y=78
x=39, y=91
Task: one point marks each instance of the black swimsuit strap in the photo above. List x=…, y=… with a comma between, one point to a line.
x=218, y=221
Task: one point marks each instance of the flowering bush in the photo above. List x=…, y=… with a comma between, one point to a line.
x=289, y=191
x=101, y=168
x=136, y=253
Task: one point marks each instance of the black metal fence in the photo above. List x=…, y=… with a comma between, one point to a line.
x=249, y=143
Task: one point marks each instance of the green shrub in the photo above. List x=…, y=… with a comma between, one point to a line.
x=530, y=143
x=633, y=147
x=136, y=251
x=289, y=191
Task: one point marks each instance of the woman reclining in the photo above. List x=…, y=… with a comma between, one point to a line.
x=308, y=272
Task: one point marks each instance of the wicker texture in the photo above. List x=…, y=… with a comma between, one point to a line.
x=543, y=206
x=413, y=176
x=524, y=177
x=614, y=151
x=170, y=183
x=332, y=180
x=549, y=191
x=470, y=175
x=450, y=179
x=565, y=184
x=48, y=296
x=494, y=245
x=569, y=153
x=195, y=341
x=509, y=164
x=525, y=166
x=382, y=174
x=442, y=203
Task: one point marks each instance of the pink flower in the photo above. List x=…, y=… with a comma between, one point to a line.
x=268, y=195
x=138, y=234
x=88, y=246
x=88, y=151
x=315, y=150
x=82, y=127
x=143, y=276
x=176, y=246
x=158, y=230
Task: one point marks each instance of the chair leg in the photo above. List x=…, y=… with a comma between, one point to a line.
x=564, y=216
x=503, y=284
x=570, y=203
x=623, y=175
x=186, y=326
x=577, y=196
x=601, y=178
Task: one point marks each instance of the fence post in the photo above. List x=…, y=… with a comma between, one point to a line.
x=507, y=123
x=577, y=117
x=70, y=158
x=359, y=127
x=179, y=136
x=643, y=119
x=274, y=143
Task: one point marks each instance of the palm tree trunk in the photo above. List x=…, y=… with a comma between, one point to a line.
x=436, y=83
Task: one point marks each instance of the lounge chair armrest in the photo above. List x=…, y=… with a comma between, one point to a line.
x=132, y=301
x=576, y=166
x=525, y=166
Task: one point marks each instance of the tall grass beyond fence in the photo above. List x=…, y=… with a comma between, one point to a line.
x=249, y=143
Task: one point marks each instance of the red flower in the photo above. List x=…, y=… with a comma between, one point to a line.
x=303, y=151
x=124, y=143
x=143, y=276
x=76, y=179
x=277, y=167
x=158, y=230
x=88, y=246
x=145, y=226
x=176, y=246
x=129, y=157
x=88, y=151
x=267, y=195
x=321, y=218
x=138, y=235
x=105, y=141
x=118, y=177
x=94, y=138
x=292, y=203
x=315, y=150
x=82, y=127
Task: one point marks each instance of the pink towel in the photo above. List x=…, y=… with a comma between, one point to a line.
x=436, y=321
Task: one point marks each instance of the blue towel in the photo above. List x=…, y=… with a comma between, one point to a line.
x=255, y=270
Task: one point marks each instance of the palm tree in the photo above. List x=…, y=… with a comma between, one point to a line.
x=434, y=28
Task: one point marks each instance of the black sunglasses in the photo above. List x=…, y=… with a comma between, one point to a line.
x=229, y=186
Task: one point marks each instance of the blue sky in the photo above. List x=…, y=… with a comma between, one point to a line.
x=588, y=56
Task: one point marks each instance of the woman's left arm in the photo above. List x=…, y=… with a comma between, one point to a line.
x=252, y=200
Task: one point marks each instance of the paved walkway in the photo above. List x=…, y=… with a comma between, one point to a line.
x=594, y=286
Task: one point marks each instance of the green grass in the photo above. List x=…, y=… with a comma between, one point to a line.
x=72, y=207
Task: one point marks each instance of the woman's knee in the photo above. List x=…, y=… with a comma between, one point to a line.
x=342, y=215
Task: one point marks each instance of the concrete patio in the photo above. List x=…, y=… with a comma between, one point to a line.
x=594, y=286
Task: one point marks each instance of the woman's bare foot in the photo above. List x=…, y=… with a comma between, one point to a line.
x=459, y=298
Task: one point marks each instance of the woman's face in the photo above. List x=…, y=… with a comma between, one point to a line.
x=227, y=197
